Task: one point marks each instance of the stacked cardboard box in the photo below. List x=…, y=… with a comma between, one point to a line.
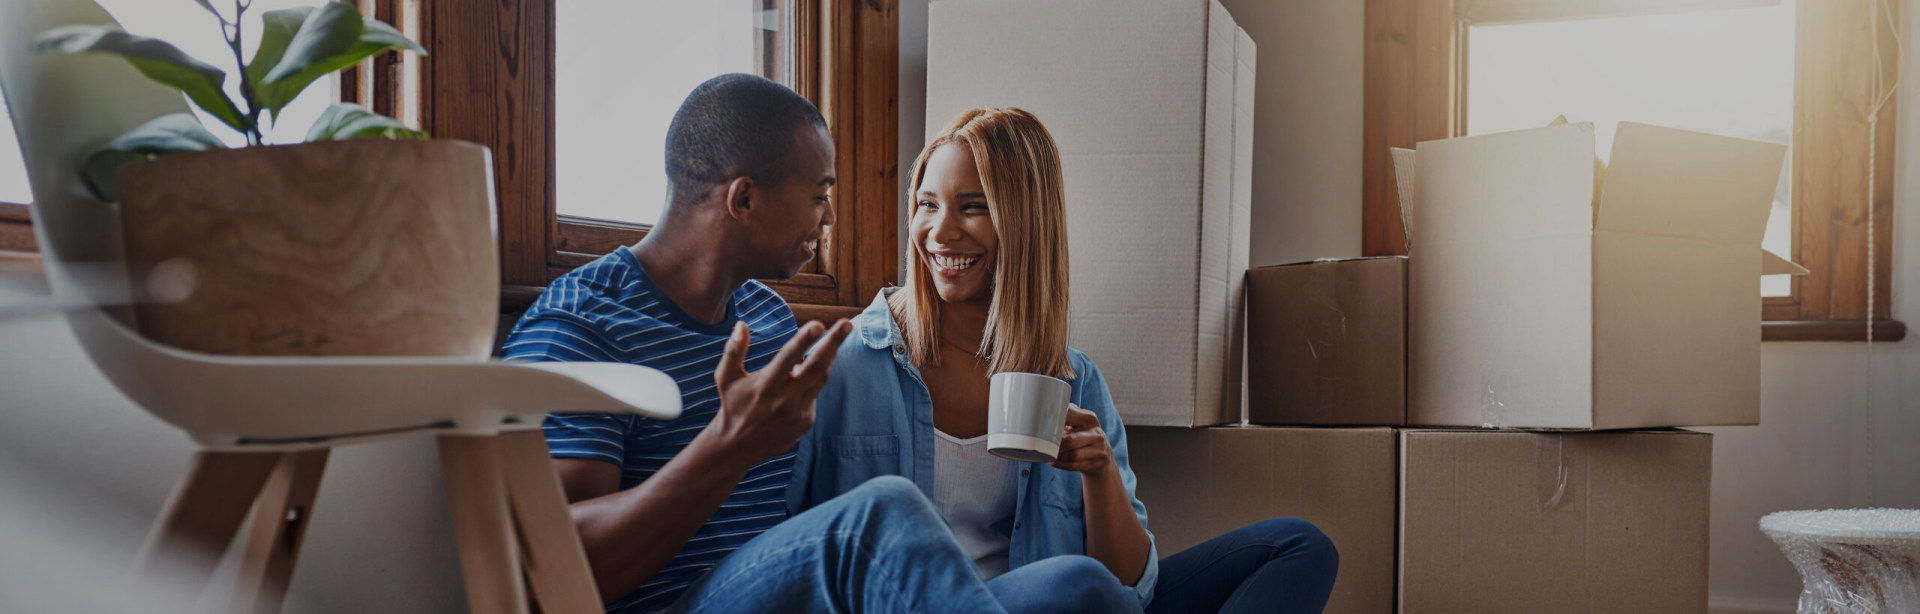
x=1538, y=326
x=1534, y=313
x=1151, y=105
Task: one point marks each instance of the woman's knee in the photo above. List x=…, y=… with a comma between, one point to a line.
x=1063, y=584
x=1295, y=535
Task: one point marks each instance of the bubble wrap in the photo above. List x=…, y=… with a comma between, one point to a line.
x=1864, y=561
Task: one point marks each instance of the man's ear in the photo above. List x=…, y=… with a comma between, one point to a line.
x=739, y=198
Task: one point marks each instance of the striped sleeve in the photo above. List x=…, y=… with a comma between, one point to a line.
x=555, y=339
x=599, y=437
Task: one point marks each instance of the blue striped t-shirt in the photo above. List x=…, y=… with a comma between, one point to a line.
x=610, y=311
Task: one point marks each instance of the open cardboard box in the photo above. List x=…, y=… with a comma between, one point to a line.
x=1530, y=306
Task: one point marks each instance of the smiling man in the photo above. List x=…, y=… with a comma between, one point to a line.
x=686, y=515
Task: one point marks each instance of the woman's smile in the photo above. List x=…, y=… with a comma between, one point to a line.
x=952, y=264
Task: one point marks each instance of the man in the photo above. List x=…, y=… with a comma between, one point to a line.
x=681, y=515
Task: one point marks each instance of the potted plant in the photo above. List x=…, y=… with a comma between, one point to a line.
x=367, y=239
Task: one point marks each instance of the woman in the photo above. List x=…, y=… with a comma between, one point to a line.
x=987, y=293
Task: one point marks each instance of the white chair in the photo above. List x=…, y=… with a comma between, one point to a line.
x=265, y=425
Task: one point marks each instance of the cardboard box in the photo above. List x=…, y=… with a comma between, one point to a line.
x=1150, y=102
x=1327, y=343
x=1528, y=308
x=1202, y=483
x=1500, y=522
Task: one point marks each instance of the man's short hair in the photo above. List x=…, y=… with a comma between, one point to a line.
x=734, y=125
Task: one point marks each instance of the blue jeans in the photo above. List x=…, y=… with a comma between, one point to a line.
x=881, y=547
x=1283, y=565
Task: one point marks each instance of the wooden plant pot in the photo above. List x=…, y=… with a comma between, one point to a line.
x=348, y=248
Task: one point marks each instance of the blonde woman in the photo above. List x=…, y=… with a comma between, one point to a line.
x=987, y=293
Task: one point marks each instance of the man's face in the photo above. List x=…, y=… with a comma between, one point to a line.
x=790, y=218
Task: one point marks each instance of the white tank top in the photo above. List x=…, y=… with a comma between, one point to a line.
x=975, y=490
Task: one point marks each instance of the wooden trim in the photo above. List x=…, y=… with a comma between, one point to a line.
x=15, y=212
x=1832, y=330
x=1508, y=12
x=862, y=108
x=1833, y=95
x=488, y=79
x=824, y=314
x=16, y=229
x=1414, y=59
x=577, y=236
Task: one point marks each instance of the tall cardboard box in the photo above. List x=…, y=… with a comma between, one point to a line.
x=1327, y=343
x=1151, y=104
x=1531, y=307
x=1201, y=483
x=1498, y=522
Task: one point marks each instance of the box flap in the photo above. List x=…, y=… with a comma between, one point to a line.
x=1773, y=264
x=1681, y=183
x=1403, y=163
x=1499, y=327
x=1328, y=260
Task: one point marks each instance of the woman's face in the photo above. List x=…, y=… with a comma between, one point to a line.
x=952, y=226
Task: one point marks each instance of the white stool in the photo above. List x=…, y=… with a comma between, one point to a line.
x=1852, y=561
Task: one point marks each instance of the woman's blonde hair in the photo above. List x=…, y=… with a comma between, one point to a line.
x=1027, y=322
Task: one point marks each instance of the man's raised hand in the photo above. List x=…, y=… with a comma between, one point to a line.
x=765, y=412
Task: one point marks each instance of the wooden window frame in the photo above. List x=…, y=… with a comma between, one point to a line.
x=488, y=79
x=1416, y=90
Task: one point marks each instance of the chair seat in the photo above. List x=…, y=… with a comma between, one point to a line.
x=290, y=403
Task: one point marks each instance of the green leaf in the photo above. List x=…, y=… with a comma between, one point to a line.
x=275, y=90
x=207, y=4
x=155, y=58
x=346, y=121
x=166, y=134
x=276, y=30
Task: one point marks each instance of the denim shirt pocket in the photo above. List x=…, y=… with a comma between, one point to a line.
x=1062, y=494
x=858, y=458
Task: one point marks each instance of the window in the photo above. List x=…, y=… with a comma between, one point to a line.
x=621, y=70
x=501, y=74
x=1786, y=71
x=197, y=33
x=1727, y=72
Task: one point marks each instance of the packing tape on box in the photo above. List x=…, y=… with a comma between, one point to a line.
x=1493, y=411
x=1857, y=561
x=1326, y=335
x=1550, y=453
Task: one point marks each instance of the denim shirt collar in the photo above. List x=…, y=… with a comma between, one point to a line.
x=876, y=326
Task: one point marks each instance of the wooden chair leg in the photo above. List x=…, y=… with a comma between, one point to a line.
x=280, y=519
x=556, y=563
x=483, y=524
x=201, y=517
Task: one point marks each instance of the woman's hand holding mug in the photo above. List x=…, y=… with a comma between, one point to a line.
x=1084, y=447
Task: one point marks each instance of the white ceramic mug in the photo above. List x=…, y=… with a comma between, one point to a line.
x=1026, y=415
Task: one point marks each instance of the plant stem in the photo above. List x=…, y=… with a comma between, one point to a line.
x=254, y=137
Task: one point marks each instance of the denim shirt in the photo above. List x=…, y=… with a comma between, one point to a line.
x=875, y=418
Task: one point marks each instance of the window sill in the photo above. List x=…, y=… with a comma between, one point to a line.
x=1831, y=330
x=515, y=299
